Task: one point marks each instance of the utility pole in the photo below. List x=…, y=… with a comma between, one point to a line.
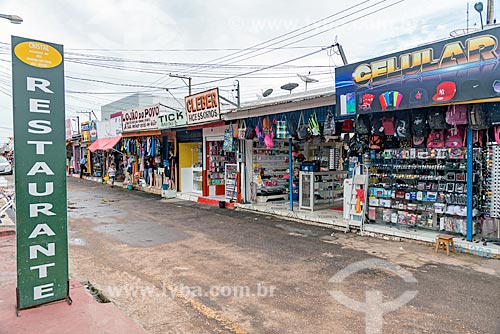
x=238, y=95
x=182, y=78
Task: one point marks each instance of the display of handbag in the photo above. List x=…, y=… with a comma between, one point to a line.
x=228, y=144
x=242, y=130
x=329, y=126
x=377, y=127
x=363, y=124
x=302, y=128
x=454, y=137
x=457, y=115
x=268, y=139
x=436, y=119
x=259, y=131
x=313, y=125
x=266, y=123
x=436, y=139
x=281, y=129
x=250, y=132
x=478, y=117
x=402, y=125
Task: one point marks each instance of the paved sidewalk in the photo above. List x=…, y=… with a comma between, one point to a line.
x=85, y=315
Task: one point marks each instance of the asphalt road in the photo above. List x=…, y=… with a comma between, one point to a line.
x=181, y=267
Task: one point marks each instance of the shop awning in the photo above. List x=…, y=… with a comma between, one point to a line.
x=104, y=144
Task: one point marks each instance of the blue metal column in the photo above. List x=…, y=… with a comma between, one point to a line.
x=290, y=170
x=470, y=184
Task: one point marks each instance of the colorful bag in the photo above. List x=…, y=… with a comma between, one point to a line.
x=242, y=130
x=313, y=125
x=266, y=123
x=281, y=129
x=268, y=139
x=478, y=118
x=363, y=124
x=228, y=144
x=419, y=125
x=437, y=120
x=436, y=139
x=376, y=142
x=329, y=126
x=377, y=128
x=402, y=125
x=454, y=138
x=388, y=124
x=259, y=131
x=302, y=128
x=457, y=115
x=250, y=133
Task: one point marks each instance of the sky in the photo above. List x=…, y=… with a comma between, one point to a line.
x=116, y=47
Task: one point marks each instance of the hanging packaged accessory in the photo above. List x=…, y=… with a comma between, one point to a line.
x=302, y=128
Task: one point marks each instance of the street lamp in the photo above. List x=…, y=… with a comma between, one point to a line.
x=12, y=18
x=478, y=6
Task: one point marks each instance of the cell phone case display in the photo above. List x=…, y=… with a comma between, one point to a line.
x=217, y=160
x=270, y=171
x=422, y=187
x=320, y=189
x=231, y=173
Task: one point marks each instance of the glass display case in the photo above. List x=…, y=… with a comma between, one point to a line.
x=320, y=190
x=231, y=174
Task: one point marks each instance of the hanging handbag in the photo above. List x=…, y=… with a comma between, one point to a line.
x=259, y=131
x=329, y=126
x=268, y=139
x=313, y=125
x=228, y=144
x=281, y=129
x=302, y=128
x=242, y=130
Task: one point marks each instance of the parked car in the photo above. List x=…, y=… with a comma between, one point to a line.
x=5, y=166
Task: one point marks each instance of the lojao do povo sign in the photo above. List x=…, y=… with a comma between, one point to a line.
x=40, y=172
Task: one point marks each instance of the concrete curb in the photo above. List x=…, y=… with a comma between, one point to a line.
x=4, y=232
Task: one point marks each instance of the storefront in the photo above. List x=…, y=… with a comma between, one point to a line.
x=142, y=146
x=220, y=147
x=426, y=132
x=302, y=172
x=190, y=160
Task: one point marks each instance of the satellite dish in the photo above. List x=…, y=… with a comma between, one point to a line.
x=307, y=79
x=267, y=92
x=290, y=86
